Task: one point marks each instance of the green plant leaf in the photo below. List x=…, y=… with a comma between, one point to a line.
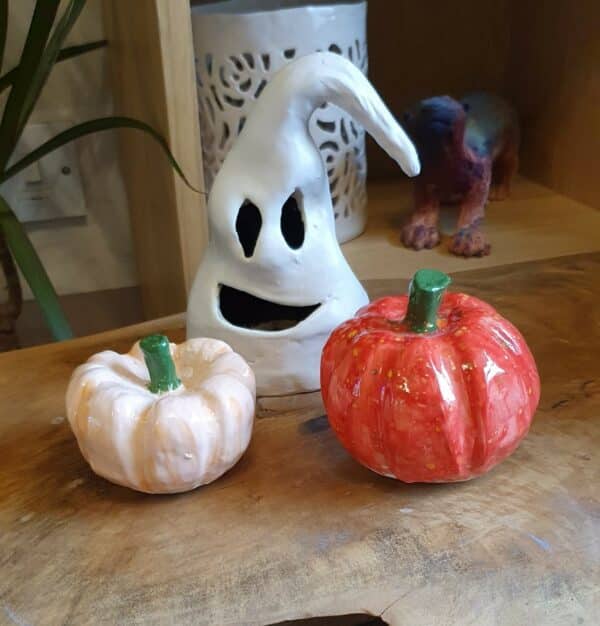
x=48, y=60
x=39, y=30
x=66, y=53
x=28, y=260
x=3, y=28
x=87, y=128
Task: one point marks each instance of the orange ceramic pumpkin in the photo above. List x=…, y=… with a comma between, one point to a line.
x=432, y=388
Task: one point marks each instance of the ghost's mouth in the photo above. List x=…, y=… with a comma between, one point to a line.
x=241, y=308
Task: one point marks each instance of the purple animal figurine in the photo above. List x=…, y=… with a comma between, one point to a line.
x=469, y=152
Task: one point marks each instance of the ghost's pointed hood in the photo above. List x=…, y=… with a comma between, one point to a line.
x=324, y=77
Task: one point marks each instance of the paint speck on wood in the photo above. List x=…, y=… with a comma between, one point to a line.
x=75, y=483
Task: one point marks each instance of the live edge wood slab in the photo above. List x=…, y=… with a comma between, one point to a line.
x=298, y=529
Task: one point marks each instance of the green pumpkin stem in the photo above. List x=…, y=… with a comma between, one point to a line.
x=425, y=295
x=161, y=367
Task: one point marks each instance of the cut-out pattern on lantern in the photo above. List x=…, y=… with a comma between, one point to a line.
x=233, y=69
x=273, y=282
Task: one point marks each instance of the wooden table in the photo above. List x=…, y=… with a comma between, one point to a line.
x=297, y=528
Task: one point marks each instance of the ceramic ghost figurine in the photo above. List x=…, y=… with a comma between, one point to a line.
x=273, y=282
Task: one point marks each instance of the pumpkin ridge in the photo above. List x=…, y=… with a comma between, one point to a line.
x=466, y=366
x=452, y=358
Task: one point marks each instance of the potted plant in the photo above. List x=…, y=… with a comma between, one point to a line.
x=43, y=48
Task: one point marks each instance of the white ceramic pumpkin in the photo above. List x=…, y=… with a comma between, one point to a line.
x=163, y=418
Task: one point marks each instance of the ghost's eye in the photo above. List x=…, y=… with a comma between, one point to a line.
x=247, y=226
x=292, y=224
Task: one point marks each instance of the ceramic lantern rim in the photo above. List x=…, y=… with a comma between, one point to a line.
x=246, y=8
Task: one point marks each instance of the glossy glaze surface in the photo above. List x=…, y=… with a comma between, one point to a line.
x=436, y=407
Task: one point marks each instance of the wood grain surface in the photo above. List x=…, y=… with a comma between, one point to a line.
x=554, y=82
x=298, y=529
x=154, y=80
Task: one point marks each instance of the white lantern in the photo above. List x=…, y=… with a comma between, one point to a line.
x=241, y=44
x=273, y=282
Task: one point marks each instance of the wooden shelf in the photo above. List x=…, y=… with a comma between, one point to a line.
x=535, y=223
x=154, y=80
x=543, y=59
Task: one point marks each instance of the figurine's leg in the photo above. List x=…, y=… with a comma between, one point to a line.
x=469, y=239
x=504, y=169
x=421, y=230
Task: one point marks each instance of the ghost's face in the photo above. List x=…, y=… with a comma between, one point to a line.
x=275, y=234
x=245, y=309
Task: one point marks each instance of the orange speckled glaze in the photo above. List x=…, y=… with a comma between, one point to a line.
x=438, y=407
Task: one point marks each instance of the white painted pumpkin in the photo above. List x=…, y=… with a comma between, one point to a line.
x=164, y=419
